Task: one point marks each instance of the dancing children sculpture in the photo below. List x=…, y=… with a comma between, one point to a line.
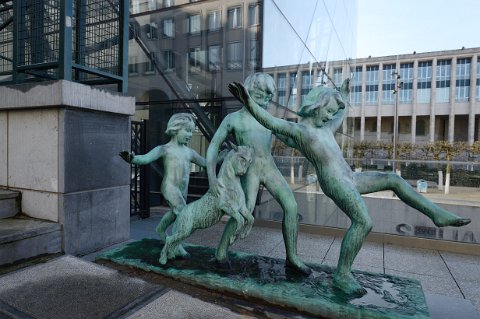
x=209, y=209
x=321, y=115
x=248, y=132
x=176, y=157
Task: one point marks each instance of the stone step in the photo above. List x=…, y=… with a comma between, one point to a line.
x=22, y=237
x=9, y=203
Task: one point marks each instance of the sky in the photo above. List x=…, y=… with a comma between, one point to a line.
x=388, y=27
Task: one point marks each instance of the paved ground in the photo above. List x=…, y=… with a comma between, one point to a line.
x=69, y=287
x=447, y=278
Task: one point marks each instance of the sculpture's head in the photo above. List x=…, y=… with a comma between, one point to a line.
x=181, y=125
x=322, y=103
x=261, y=88
x=240, y=158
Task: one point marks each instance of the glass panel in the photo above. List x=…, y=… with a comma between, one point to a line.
x=214, y=21
x=235, y=18
x=443, y=80
x=462, y=85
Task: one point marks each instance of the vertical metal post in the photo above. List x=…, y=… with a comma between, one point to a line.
x=123, y=54
x=18, y=45
x=65, y=58
x=395, y=119
x=80, y=39
x=144, y=174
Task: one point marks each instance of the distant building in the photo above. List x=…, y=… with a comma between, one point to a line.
x=438, y=98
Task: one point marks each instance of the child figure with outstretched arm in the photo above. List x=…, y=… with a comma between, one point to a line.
x=176, y=157
x=321, y=115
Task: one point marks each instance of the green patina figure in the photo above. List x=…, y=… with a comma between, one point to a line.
x=248, y=132
x=321, y=115
x=209, y=209
x=176, y=157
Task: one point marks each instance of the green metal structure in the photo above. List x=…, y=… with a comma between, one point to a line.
x=84, y=41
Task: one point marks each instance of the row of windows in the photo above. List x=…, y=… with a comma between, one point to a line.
x=197, y=58
x=137, y=6
x=214, y=22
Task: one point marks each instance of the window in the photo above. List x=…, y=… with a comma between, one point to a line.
x=356, y=88
x=406, y=77
x=214, y=21
x=152, y=31
x=282, y=98
x=214, y=57
x=152, y=4
x=133, y=65
x=167, y=3
x=281, y=88
x=253, y=59
x=168, y=60
x=293, y=90
x=281, y=81
x=388, y=84
x=478, y=79
x=337, y=77
x=150, y=64
x=234, y=56
x=235, y=18
x=420, y=128
x=135, y=6
x=371, y=88
x=443, y=80
x=306, y=84
x=462, y=83
x=194, y=59
x=168, y=28
x=253, y=14
x=193, y=24
x=424, y=82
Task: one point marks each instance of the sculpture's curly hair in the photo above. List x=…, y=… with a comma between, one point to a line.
x=262, y=81
x=317, y=98
x=179, y=121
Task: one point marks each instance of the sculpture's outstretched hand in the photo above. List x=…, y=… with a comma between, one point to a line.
x=239, y=91
x=127, y=156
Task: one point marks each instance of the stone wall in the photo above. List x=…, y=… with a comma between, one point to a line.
x=58, y=145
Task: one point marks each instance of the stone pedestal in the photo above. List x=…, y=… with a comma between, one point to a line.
x=59, y=142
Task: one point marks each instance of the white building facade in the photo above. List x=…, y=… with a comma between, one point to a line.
x=435, y=95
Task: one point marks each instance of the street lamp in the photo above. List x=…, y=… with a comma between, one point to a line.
x=398, y=86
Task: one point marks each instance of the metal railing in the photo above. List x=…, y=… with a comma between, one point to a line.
x=84, y=41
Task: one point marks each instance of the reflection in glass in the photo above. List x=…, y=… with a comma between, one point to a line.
x=235, y=17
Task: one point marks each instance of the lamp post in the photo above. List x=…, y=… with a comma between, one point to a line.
x=398, y=86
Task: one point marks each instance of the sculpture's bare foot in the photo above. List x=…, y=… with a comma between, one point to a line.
x=223, y=263
x=163, y=258
x=453, y=220
x=298, y=265
x=246, y=230
x=348, y=285
x=182, y=253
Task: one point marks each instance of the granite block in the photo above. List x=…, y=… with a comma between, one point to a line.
x=95, y=219
x=92, y=142
x=33, y=150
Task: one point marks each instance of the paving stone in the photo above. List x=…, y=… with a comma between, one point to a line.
x=444, y=307
x=471, y=290
x=177, y=305
x=370, y=255
x=432, y=284
x=69, y=287
x=415, y=260
x=454, y=257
